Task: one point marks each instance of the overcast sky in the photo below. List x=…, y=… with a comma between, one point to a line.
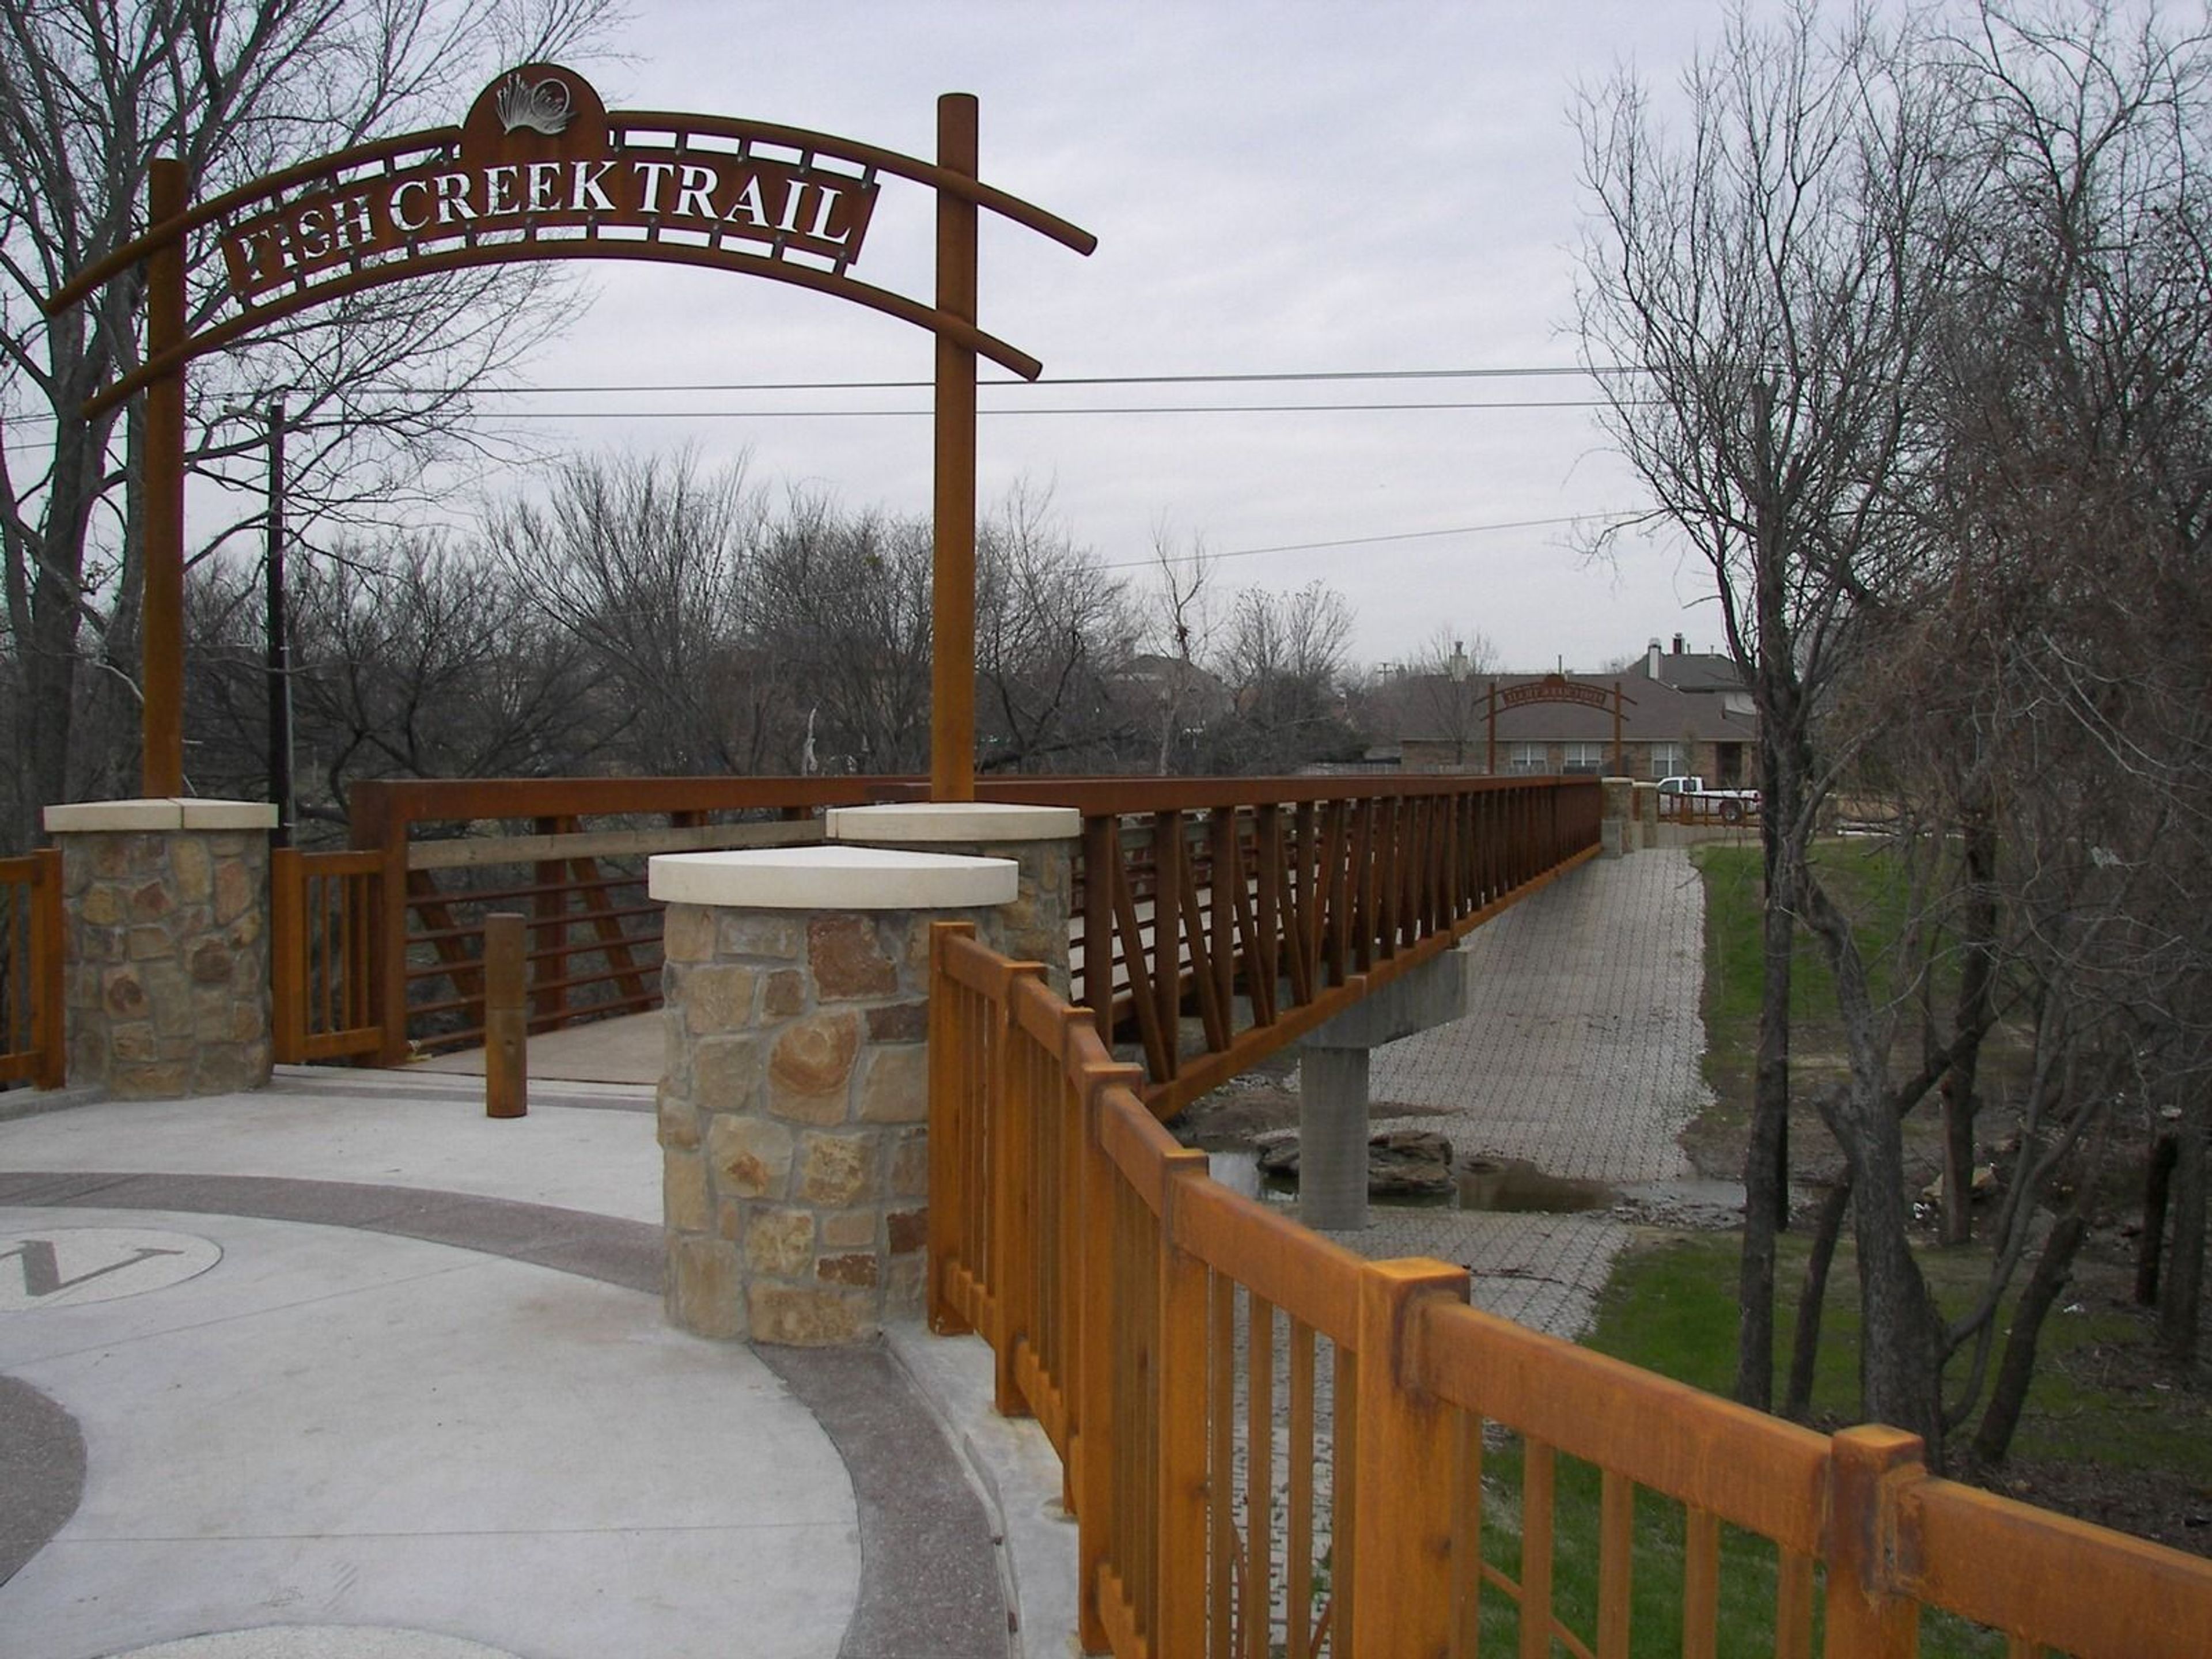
x=1289, y=188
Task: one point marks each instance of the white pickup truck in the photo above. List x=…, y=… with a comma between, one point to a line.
x=1687, y=798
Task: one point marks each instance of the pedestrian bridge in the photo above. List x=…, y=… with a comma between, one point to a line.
x=1270, y=1444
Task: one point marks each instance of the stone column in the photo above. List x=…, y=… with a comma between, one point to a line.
x=1647, y=815
x=166, y=952
x=793, y=1112
x=1040, y=841
x=1615, y=829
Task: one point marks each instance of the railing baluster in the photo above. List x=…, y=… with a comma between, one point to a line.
x=1167, y=952
x=1267, y=918
x=1701, y=1583
x=1537, y=1494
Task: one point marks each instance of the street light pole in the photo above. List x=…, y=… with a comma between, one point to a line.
x=279, y=658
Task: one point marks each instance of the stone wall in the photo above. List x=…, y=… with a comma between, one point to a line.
x=794, y=1120
x=167, y=990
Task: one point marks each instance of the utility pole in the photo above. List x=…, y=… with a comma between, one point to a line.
x=279, y=650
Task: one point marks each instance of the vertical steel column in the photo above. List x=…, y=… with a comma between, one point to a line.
x=952, y=615
x=161, y=723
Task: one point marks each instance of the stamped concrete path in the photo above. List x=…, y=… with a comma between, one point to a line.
x=1579, y=1054
x=342, y=1369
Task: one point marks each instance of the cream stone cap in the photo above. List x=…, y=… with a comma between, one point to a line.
x=161, y=813
x=831, y=878
x=971, y=821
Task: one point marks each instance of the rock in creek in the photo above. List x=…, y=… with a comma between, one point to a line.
x=1400, y=1163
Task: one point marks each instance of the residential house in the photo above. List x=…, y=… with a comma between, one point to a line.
x=1680, y=711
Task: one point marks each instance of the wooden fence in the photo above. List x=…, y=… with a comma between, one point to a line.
x=1272, y=1446
x=31, y=1042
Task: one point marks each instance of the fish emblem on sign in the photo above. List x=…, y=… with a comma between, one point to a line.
x=544, y=106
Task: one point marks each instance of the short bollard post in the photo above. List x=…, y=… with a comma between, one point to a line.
x=506, y=1029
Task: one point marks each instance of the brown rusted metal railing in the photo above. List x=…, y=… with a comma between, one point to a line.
x=31, y=1037
x=569, y=852
x=1286, y=898
x=1272, y=1446
x=1262, y=907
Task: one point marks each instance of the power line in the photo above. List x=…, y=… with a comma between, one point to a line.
x=1256, y=379
x=1146, y=409
x=1370, y=541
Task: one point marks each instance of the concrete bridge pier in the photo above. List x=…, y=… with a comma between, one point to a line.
x=1332, y=1072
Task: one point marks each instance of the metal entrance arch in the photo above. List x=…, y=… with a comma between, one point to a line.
x=541, y=169
x=1553, y=688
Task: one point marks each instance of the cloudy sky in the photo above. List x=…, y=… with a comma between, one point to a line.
x=1285, y=189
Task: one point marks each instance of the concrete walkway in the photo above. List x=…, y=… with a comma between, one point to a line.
x=344, y=1357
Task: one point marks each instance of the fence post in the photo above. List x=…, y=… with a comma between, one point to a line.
x=1869, y=1468
x=1010, y=1132
x=1099, y=1295
x=376, y=825
x=1179, y=1571
x=1402, y=1506
x=951, y=1130
x=506, y=1068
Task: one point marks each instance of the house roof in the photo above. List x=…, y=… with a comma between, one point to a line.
x=1690, y=671
x=1432, y=709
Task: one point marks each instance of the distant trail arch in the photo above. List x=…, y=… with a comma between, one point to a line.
x=1553, y=688
x=541, y=169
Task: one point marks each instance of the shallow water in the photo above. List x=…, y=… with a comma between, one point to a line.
x=1499, y=1185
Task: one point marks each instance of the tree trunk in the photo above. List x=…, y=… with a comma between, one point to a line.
x=2158, y=1184
x=2183, y=1289
x=2001, y=1416
x=1766, y=1163
x=1805, y=1339
x=1900, y=1333
x=1977, y=989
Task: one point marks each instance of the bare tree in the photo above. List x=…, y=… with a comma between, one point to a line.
x=1053, y=633
x=1282, y=656
x=1446, y=687
x=1181, y=634
x=91, y=92
x=844, y=614
x=651, y=567
x=1767, y=278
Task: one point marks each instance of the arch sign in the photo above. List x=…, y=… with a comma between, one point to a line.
x=1553, y=688
x=540, y=169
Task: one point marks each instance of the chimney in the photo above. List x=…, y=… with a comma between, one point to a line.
x=1651, y=660
x=1678, y=645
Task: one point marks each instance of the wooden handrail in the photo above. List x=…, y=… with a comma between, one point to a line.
x=1176, y=1286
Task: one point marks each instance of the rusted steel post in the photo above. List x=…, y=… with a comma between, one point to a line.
x=953, y=614
x=49, y=943
x=161, y=722
x=507, y=1082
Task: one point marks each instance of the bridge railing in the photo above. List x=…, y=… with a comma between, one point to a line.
x=1272, y=1446
x=433, y=857
x=1258, y=906
x=1264, y=906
